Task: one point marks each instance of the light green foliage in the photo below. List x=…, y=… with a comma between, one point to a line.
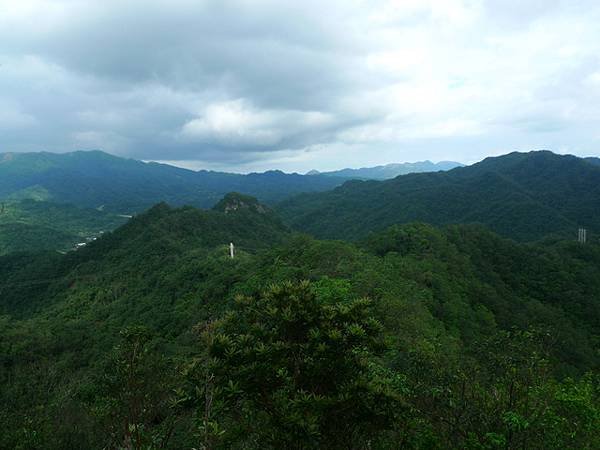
x=298, y=371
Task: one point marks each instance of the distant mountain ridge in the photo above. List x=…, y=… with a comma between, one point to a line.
x=95, y=179
x=525, y=196
x=390, y=170
x=593, y=160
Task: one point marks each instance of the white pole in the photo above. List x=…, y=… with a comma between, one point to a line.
x=582, y=236
x=231, y=250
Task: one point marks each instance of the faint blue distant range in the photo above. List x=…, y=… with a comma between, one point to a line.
x=390, y=170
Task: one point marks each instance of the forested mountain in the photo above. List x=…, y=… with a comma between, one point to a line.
x=30, y=225
x=525, y=196
x=417, y=337
x=391, y=170
x=98, y=180
x=595, y=161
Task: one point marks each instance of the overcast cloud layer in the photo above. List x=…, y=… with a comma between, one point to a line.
x=256, y=84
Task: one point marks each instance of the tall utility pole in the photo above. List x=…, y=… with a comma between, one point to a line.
x=582, y=236
x=231, y=250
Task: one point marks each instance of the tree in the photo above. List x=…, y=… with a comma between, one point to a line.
x=297, y=371
x=135, y=404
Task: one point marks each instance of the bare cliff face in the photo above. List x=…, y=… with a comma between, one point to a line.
x=237, y=202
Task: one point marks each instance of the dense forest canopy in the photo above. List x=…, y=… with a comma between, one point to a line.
x=55, y=201
x=29, y=225
x=416, y=336
x=241, y=225
x=524, y=196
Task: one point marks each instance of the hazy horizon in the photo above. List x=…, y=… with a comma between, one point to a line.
x=245, y=86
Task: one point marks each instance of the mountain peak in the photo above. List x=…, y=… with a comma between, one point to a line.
x=393, y=170
x=234, y=201
x=524, y=196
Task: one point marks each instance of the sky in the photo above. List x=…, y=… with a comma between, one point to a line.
x=251, y=85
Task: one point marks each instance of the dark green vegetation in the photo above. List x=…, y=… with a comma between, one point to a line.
x=595, y=161
x=391, y=170
x=80, y=194
x=99, y=180
x=416, y=337
x=31, y=225
x=525, y=196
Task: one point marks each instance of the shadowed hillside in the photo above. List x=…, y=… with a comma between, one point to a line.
x=98, y=180
x=525, y=196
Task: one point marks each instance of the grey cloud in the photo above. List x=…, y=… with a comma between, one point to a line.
x=266, y=49
x=106, y=61
x=235, y=81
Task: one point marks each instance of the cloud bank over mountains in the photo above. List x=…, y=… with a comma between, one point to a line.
x=241, y=84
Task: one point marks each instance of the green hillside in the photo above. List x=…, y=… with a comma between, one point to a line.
x=96, y=179
x=31, y=225
x=417, y=337
x=595, y=161
x=525, y=196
